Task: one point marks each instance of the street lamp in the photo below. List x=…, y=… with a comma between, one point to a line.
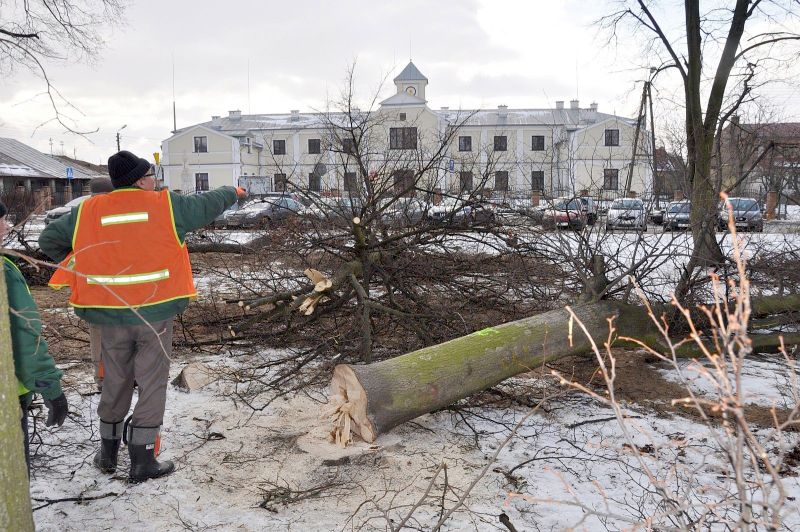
x=120, y=129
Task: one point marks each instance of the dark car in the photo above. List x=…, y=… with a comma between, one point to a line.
x=656, y=215
x=746, y=215
x=676, y=216
x=58, y=212
x=462, y=211
x=263, y=212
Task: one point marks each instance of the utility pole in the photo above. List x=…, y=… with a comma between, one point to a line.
x=642, y=114
x=62, y=147
x=120, y=129
x=51, y=145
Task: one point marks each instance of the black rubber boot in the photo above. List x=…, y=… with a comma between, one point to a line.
x=144, y=465
x=106, y=457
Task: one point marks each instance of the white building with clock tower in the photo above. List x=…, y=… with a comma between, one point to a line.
x=562, y=150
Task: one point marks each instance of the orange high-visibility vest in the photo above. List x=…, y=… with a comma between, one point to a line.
x=63, y=276
x=126, y=252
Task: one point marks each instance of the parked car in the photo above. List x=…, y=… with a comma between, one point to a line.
x=677, y=215
x=58, y=212
x=746, y=215
x=626, y=213
x=565, y=213
x=462, y=211
x=656, y=215
x=263, y=212
x=403, y=212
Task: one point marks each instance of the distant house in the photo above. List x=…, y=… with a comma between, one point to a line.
x=40, y=180
x=516, y=152
x=759, y=158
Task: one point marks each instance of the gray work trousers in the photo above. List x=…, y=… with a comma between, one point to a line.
x=134, y=352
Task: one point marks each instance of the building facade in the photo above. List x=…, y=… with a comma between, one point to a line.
x=515, y=152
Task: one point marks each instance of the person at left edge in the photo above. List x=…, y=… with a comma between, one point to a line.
x=35, y=369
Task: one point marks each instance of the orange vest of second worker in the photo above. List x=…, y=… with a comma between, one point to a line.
x=126, y=253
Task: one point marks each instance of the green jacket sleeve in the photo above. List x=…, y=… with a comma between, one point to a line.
x=56, y=239
x=199, y=210
x=33, y=365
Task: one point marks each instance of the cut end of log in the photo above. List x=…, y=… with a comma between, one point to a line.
x=356, y=221
x=241, y=303
x=345, y=385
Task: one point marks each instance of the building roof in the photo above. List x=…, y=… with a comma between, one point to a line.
x=247, y=125
x=403, y=98
x=775, y=130
x=410, y=73
x=569, y=118
x=25, y=161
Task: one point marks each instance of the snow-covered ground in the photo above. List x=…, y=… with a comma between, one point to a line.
x=274, y=469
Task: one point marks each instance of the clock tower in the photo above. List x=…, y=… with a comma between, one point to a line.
x=411, y=82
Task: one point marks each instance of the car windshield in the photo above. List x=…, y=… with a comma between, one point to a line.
x=680, y=208
x=563, y=205
x=744, y=204
x=76, y=201
x=258, y=206
x=627, y=204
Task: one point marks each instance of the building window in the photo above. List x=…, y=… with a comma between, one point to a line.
x=537, y=143
x=465, y=143
x=402, y=138
x=314, y=182
x=610, y=179
x=501, y=181
x=278, y=147
x=279, y=182
x=314, y=146
x=201, y=144
x=348, y=146
x=404, y=182
x=350, y=182
x=465, y=181
x=612, y=137
x=402, y=117
x=500, y=143
x=201, y=181
x=537, y=180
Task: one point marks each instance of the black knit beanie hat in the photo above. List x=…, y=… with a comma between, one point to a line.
x=126, y=168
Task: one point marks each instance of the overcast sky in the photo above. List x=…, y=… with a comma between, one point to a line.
x=475, y=53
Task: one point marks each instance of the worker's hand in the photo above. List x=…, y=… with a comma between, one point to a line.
x=57, y=410
x=241, y=192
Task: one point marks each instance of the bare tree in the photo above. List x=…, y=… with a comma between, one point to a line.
x=720, y=62
x=36, y=32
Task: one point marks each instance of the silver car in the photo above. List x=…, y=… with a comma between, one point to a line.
x=746, y=215
x=626, y=213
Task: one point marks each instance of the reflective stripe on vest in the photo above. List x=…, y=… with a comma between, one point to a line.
x=21, y=389
x=128, y=279
x=124, y=218
x=127, y=252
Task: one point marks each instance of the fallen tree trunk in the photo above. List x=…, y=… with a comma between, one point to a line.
x=374, y=398
x=380, y=396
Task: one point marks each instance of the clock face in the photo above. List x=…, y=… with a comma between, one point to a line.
x=411, y=90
